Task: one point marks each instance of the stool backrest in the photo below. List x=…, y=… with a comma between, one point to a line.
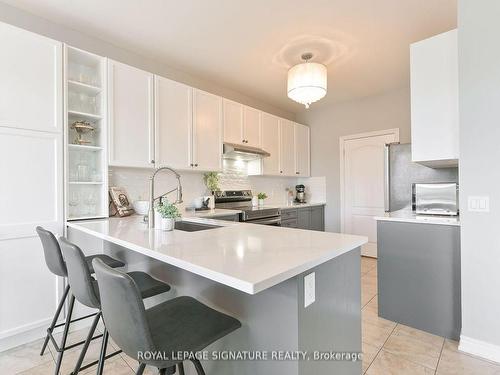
x=123, y=310
x=52, y=252
x=79, y=278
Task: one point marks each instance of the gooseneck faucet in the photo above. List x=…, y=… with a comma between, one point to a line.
x=152, y=198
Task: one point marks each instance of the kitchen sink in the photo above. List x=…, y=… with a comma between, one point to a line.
x=188, y=226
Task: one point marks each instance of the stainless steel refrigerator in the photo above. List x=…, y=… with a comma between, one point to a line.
x=401, y=173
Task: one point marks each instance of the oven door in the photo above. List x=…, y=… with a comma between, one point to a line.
x=274, y=221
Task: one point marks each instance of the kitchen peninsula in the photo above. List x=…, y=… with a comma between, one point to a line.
x=255, y=273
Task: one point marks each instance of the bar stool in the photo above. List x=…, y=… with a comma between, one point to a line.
x=55, y=263
x=85, y=288
x=180, y=324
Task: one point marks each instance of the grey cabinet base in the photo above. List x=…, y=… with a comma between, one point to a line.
x=419, y=276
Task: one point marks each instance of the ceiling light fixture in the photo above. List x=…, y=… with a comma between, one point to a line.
x=307, y=81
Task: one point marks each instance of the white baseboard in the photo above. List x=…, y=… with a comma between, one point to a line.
x=479, y=348
x=24, y=334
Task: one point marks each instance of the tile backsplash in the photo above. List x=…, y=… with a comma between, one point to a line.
x=234, y=177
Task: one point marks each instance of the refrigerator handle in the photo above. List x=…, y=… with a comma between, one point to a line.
x=387, y=190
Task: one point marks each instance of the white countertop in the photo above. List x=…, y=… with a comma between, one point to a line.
x=247, y=257
x=407, y=216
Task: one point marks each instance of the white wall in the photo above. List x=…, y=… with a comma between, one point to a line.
x=389, y=110
x=74, y=38
x=479, y=77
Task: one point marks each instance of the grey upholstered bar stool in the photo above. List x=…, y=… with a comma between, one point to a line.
x=84, y=287
x=55, y=263
x=179, y=324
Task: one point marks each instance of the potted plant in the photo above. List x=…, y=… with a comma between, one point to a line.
x=211, y=180
x=168, y=212
x=261, y=197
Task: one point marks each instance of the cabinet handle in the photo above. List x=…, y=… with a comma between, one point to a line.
x=192, y=165
x=152, y=161
x=281, y=171
x=196, y=165
x=297, y=172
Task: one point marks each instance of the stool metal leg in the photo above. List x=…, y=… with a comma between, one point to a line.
x=180, y=366
x=65, y=335
x=102, y=356
x=198, y=366
x=140, y=369
x=54, y=320
x=86, y=345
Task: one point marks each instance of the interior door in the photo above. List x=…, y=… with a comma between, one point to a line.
x=251, y=126
x=131, y=115
x=363, y=191
x=207, y=131
x=173, y=123
x=287, y=148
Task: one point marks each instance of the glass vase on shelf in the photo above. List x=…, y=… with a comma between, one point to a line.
x=73, y=202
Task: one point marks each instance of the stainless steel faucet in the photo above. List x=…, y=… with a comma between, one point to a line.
x=152, y=198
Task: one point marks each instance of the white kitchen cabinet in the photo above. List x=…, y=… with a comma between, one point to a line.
x=233, y=122
x=131, y=128
x=434, y=100
x=271, y=143
x=207, y=131
x=287, y=148
x=31, y=192
x=251, y=126
x=302, y=151
x=30, y=80
x=241, y=124
x=173, y=123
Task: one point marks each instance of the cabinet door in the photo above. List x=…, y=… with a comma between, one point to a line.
x=173, y=123
x=271, y=143
x=251, y=126
x=287, y=148
x=130, y=116
x=233, y=122
x=317, y=218
x=207, y=131
x=302, y=153
x=30, y=80
x=434, y=100
x=304, y=218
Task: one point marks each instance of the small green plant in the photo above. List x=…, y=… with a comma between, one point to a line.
x=211, y=180
x=168, y=210
x=262, y=196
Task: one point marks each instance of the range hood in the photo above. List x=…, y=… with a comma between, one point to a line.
x=241, y=152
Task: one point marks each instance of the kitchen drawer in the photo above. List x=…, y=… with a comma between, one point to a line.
x=289, y=214
x=290, y=223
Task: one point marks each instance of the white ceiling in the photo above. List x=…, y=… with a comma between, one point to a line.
x=246, y=45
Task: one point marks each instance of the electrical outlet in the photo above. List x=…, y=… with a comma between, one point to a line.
x=309, y=289
x=478, y=204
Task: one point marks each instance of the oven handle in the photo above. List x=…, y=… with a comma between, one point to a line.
x=276, y=220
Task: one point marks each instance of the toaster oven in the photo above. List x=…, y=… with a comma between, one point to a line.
x=435, y=198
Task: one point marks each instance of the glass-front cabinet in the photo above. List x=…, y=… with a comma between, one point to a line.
x=85, y=114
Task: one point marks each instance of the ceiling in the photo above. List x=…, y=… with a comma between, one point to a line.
x=248, y=45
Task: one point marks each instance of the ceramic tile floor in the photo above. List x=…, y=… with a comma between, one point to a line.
x=389, y=348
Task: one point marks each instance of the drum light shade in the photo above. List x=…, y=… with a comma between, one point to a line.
x=307, y=82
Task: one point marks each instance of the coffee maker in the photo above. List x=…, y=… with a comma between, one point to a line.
x=300, y=194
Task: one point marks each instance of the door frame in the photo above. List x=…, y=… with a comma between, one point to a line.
x=342, y=141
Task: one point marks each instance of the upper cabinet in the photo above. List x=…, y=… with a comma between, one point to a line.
x=287, y=148
x=241, y=124
x=30, y=68
x=173, y=124
x=271, y=143
x=131, y=127
x=434, y=100
x=251, y=127
x=302, y=152
x=207, y=131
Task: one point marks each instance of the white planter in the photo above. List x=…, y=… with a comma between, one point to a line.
x=261, y=202
x=167, y=224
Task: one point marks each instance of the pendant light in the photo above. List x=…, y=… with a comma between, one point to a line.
x=307, y=81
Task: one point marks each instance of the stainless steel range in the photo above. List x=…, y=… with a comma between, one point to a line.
x=242, y=200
